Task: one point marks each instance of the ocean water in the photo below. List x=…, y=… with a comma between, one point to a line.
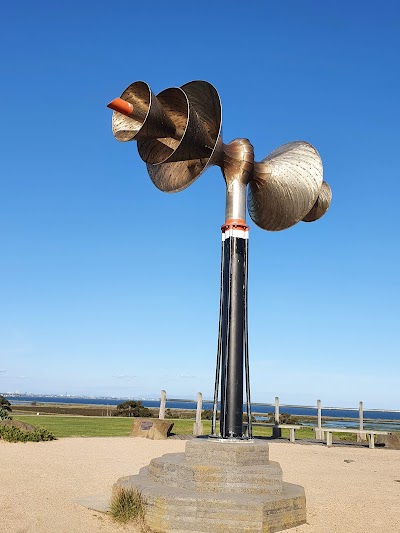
x=375, y=419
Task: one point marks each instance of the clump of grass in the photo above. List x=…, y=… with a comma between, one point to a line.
x=127, y=505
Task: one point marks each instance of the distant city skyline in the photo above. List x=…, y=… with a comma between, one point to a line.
x=192, y=398
x=110, y=287
x=29, y=396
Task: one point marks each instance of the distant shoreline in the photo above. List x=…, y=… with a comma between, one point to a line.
x=341, y=412
x=190, y=403
x=102, y=410
x=384, y=420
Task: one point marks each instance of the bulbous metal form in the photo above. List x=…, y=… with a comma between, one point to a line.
x=285, y=186
x=322, y=204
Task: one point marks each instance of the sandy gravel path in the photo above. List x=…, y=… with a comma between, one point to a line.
x=40, y=481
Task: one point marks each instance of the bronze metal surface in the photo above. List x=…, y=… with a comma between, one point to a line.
x=179, y=136
x=237, y=161
x=285, y=186
x=237, y=168
x=322, y=204
x=174, y=176
x=192, y=140
x=148, y=118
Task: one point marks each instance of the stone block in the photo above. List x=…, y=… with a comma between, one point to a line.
x=151, y=428
x=391, y=441
x=22, y=426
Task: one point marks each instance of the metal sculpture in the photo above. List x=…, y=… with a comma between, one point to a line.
x=179, y=135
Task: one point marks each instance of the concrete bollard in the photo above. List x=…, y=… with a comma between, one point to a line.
x=276, y=432
x=163, y=401
x=198, y=425
x=319, y=434
x=361, y=436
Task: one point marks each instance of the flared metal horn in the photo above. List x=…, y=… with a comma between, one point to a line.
x=322, y=204
x=285, y=186
x=200, y=145
x=191, y=140
x=142, y=115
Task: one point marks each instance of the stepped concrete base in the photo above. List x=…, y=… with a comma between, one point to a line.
x=218, y=487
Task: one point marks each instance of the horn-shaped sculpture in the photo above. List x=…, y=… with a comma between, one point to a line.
x=179, y=136
x=178, y=133
x=285, y=186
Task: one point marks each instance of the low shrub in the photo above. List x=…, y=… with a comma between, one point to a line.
x=4, y=403
x=207, y=414
x=11, y=433
x=132, y=408
x=284, y=418
x=4, y=414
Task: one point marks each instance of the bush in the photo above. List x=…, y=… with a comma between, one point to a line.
x=5, y=404
x=246, y=418
x=4, y=414
x=132, y=408
x=207, y=414
x=284, y=418
x=12, y=433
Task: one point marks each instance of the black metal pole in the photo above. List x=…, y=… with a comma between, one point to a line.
x=246, y=346
x=219, y=349
x=233, y=332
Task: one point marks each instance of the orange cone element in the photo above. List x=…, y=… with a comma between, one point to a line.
x=122, y=106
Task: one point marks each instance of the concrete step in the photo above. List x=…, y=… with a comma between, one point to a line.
x=176, y=471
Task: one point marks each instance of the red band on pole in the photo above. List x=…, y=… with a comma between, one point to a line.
x=234, y=224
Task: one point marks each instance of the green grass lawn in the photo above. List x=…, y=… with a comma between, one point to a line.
x=99, y=426
x=80, y=426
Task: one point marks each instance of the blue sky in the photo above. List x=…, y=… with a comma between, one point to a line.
x=110, y=287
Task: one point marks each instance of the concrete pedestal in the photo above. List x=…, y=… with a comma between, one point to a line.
x=218, y=487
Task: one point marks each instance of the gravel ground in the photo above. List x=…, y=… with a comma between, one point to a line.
x=40, y=481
